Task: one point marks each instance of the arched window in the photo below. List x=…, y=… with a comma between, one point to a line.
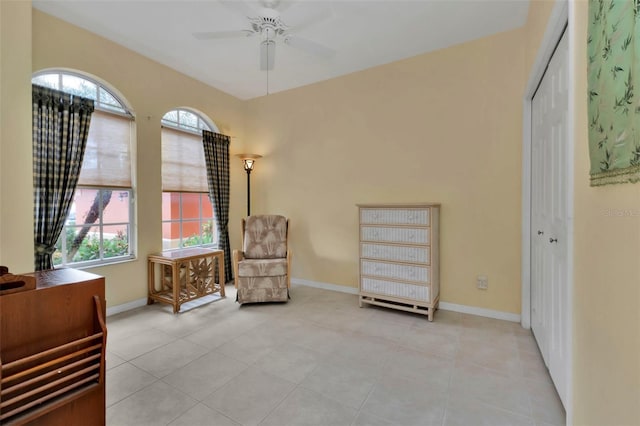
x=99, y=227
x=188, y=120
x=188, y=218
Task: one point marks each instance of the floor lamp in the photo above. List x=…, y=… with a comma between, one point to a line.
x=248, y=160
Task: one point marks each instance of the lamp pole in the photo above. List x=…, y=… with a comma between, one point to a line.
x=248, y=191
x=249, y=160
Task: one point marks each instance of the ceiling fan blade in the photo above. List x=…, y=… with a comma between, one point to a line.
x=321, y=15
x=267, y=55
x=212, y=35
x=310, y=46
x=240, y=7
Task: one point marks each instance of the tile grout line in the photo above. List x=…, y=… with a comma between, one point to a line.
x=276, y=406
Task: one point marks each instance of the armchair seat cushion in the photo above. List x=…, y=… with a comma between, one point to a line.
x=262, y=267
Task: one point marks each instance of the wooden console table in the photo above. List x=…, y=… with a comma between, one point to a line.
x=185, y=275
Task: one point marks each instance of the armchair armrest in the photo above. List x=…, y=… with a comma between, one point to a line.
x=238, y=255
x=289, y=256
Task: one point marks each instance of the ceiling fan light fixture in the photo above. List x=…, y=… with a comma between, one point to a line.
x=267, y=54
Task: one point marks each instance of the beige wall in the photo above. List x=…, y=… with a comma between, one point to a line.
x=151, y=89
x=16, y=177
x=607, y=278
x=443, y=127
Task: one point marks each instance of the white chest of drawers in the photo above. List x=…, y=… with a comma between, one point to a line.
x=399, y=266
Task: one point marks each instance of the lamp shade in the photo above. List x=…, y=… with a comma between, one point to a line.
x=248, y=160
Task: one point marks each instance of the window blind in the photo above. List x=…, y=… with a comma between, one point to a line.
x=183, y=165
x=107, y=158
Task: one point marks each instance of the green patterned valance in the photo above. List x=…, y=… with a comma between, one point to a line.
x=613, y=46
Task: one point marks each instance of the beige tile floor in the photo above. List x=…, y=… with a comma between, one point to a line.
x=321, y=360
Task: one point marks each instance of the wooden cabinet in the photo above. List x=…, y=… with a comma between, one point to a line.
x=52, y=350
x=399, y=265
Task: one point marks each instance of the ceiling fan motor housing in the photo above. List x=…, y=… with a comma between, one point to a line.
x=268, y=24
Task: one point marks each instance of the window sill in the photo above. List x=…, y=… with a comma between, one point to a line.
x=100, y=264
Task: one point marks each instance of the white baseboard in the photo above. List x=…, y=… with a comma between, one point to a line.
x=482, y=312
x=489, y=313
x=445, y=306
x=126, y=306
x=325, y=286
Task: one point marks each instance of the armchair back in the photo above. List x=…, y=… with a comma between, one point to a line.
x=265, y=237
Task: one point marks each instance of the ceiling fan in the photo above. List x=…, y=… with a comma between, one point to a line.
x=267, y=24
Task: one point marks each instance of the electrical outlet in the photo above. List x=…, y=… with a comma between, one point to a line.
x=482, y=282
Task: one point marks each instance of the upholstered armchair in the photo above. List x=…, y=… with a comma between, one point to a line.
x=262, y=267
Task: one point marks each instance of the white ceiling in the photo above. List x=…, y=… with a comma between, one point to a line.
x=362, y=33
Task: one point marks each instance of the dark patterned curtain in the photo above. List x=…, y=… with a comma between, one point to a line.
x=60, y=129
x=613, y=45
x=216, y=155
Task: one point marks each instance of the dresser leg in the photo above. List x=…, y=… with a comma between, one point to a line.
x=360, y=301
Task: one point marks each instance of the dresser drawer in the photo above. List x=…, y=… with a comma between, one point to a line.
x=395, y=216
x=396, y=253
x=395, y=235
x=418, y=274
x=390, y=288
